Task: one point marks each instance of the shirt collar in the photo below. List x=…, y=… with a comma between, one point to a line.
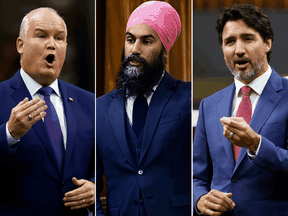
x=33, y=86
x=257, y=85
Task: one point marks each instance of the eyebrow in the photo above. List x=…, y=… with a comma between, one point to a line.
x=143, y=36
x=42, y=30
x=242, y=35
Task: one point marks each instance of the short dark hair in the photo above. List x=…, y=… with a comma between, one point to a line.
x=251, y=15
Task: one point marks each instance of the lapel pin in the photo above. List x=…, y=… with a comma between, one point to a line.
x=70, y=99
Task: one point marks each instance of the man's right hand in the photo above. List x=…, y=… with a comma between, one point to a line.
x=24, y=115
x=215, y=203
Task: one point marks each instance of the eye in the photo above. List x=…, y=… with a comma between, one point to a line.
x=59, y=38
x=249, y=39
x=229, y=42
x=41, y=36
x=147, y=42
x=130, y=40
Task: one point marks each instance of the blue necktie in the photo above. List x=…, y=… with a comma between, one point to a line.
x=140, y=109
x=53, y=125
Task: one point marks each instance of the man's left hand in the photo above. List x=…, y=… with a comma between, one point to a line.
x=243, y=135
x=82, y=197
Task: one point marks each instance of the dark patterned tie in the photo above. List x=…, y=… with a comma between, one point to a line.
x=140, y=109
x=244, y=111
x=53, y=125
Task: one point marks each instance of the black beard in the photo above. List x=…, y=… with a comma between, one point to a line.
x=140, y=81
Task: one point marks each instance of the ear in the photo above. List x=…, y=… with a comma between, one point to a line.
x=165, y=53
x=268, y=45
x=20, y=45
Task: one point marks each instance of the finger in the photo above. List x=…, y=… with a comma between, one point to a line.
x=23, y=102
x=26, y=103
x=78, y=191
x=224, y=200
x=37, y=118
x=217, y=207
x=85, y=195
x=229, y=133
x=232, y=121
x=211, y=212
x=37, y=112
x=78, y=182
x=33, y=107
x=80, y=206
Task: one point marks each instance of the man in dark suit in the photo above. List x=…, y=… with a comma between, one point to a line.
x=143, y=127
x=240, y=160
x=47, y=128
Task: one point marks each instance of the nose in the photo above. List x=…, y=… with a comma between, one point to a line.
x=136, y=49
x=240, y=48
x=51, y=43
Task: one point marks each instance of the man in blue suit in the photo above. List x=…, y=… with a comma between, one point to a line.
x=254, y=181
x=143, y=127
x=47, y=128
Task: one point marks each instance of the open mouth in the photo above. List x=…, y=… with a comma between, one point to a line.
x=241, y=62
x=133, y=61
x=50, y=58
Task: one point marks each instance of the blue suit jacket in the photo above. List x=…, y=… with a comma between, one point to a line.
x=31, y=180
x=165, y=157
x=259, y=187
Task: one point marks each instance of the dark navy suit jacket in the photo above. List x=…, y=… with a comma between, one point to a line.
x=165, y=158
x=259, y=187
x=31, y=181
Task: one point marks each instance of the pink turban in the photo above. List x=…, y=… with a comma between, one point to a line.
x=160, y=16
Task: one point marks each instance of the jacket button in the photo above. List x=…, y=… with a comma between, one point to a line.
x=234, y=179
x=139, y=147
x=140, y=172
x=63, y=184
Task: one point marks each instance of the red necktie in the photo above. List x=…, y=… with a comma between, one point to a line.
x=244, y=111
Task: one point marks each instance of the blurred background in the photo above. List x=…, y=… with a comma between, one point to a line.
x=79, y=15
x=111, y=19
x=210, y=73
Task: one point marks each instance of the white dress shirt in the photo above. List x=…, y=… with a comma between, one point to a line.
x=257, y=87
x=56, y=100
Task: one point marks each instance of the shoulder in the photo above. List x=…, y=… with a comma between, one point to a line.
x=79, y=92
x=215, y=97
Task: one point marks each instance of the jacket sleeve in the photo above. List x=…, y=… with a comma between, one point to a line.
x=202, y=166
x=99, y=184
x=4, y=147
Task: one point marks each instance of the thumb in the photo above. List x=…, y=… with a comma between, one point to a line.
x=77, y=182
x=228, y=194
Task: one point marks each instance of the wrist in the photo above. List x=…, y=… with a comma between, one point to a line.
x=255, y=144
x=12, y=133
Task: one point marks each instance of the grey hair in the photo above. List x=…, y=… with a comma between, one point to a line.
x=25, y=21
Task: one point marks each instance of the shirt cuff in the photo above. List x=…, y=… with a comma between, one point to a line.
x=253, y=155
x=10, y=139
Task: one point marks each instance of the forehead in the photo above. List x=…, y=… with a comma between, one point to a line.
x=46, y=19
x=142, y=29
x=237, y=28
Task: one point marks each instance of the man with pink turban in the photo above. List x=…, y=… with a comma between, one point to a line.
x=143, y=127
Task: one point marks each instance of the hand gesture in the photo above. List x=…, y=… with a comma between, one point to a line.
x=24, y=115
x=82, y=197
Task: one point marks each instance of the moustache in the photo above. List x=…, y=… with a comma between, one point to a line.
x=133, y=57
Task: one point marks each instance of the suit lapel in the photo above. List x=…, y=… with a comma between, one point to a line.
x=225, y=109
x=266, y=105
x=19, y=92
x=116, y=113
x=157, y=104
x=70, y=103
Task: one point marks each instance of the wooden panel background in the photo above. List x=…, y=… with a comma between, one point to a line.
x=111, y=19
